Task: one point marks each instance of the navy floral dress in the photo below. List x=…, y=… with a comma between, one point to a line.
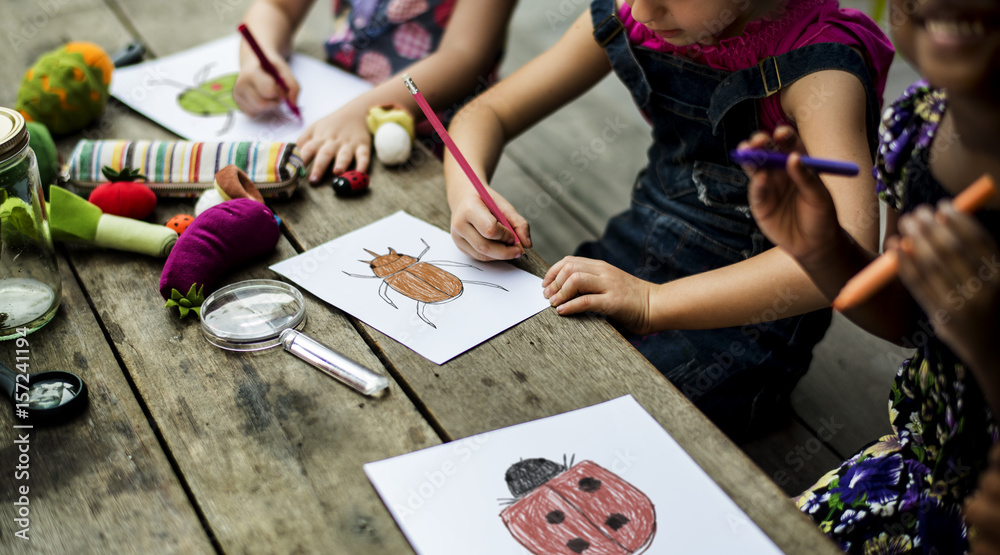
x=904, y=493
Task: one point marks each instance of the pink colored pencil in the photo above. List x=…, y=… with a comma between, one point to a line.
x=448, y=142
x=268, y=67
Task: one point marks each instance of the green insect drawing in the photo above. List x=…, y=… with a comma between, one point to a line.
x=208, y=97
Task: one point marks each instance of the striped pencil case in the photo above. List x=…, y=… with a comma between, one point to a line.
x=186, y=169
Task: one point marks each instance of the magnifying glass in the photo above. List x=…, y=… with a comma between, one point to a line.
x=51, y=397
x=260, y=314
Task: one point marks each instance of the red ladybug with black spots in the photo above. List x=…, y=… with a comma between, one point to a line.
x=576, y=509
x=350, y=183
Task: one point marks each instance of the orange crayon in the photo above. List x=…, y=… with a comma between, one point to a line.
x=882, y=270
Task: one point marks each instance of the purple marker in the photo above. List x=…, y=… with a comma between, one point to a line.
x=769, y=159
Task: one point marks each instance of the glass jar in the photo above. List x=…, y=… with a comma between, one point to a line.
x=30, y=286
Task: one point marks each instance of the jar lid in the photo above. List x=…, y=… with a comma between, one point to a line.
x=13, y=133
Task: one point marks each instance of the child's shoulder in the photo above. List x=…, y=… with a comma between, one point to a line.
x=805, y=22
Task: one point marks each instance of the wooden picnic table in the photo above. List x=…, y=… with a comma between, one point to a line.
x=188, y=448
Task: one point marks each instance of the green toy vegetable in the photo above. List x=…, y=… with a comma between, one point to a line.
x=72, y=218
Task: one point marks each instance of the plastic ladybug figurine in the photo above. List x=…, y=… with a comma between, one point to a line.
x=573, y=509
x=350, y=183
x=423, y=282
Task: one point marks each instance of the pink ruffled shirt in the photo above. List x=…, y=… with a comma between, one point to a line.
x=803, y=22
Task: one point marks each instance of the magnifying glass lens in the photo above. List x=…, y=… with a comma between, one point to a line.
x=250, y=315
x=49, y=394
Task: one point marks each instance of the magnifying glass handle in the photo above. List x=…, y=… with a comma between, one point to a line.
x=333, y=363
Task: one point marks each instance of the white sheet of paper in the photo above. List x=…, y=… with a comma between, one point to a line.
x=452, y=327
x=153, y=89
x=446, y=499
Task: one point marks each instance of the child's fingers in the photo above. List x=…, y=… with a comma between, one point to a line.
x=324, y=156
x=787, y=140
x=563, y=284
x=251, y=95
x=583, y=303
x=481, y=247
x=761, y=196
x=558, y=274
x=293, y=84
x=554, y=270
x=936, y=250
x=809, y=185
x=969, y=231
x=343, y=159
x=362, y=156
x=572, y=285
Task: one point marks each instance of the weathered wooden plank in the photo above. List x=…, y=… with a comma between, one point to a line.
x=102, y=481
x=29, y=29
x=794, y=457
x=157, y=24
x=271, y=448
x=544, y=366
x=846, y=391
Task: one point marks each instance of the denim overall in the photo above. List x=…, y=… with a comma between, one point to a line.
x=689, y=214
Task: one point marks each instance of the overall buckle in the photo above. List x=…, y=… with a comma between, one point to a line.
x=763, y=75
x=604, y=42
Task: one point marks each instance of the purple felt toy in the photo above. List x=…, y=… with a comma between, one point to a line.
x=220, y=238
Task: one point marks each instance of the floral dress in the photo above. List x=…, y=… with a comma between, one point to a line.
x=904, y=493
x=382, y=37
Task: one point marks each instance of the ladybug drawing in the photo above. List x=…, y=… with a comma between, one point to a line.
x=423, y=282
x=573, y=509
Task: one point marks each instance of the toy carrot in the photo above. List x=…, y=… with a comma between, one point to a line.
x=882, y=270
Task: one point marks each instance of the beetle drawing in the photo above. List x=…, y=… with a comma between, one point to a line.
x=424, y=282
x=208, y=97
x=567, y=509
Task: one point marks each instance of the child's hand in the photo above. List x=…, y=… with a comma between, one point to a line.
x=982, y=510
x=340, y=138
x=577, y=284
x=952, y=269
x=792, y=208
x=256, y=92
x=479, y=234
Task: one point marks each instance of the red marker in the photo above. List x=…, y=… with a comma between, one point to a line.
x=269, y=68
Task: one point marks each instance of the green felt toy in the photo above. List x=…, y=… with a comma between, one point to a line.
x=45, y=152
x=71, y=218
x=67, y=88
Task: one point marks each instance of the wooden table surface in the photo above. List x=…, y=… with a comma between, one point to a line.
x=187, y=448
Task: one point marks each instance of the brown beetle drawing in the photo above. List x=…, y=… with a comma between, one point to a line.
x=423, y=282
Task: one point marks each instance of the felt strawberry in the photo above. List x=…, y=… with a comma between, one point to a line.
x=123, y=196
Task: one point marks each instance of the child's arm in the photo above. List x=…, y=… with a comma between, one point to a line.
x=469, y=48
x=770, y=285
x=574, y=64
x=272, y=23
x=953, y=272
